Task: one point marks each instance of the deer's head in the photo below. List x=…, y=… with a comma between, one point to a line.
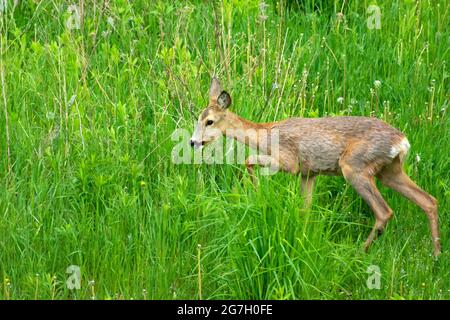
x=213, y=120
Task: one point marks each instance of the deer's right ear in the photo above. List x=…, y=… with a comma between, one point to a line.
x=224, y=100
x=215, y=89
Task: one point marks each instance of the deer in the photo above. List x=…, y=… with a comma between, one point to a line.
x=358, y=148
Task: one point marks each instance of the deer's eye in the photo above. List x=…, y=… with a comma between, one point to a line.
x=209, y=122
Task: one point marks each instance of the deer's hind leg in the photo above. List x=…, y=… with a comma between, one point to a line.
x=306, y=189
x=362, y=180
x=395, y=178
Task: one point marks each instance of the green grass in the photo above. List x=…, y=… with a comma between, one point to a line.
x=90, y=182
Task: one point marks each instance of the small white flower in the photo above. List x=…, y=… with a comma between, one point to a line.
x=110, y=21
x=340, y=100
x=274, y=86
x=262, y=6
x=50, y=115
x=377, y=84
x=417, y=158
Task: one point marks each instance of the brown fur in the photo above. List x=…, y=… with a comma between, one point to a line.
x=359, y=148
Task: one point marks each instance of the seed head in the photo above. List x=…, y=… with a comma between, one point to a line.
x=377, y=84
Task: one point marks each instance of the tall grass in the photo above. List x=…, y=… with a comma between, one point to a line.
x=86, y=171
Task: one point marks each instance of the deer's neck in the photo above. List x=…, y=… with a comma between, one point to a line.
x=245, y=131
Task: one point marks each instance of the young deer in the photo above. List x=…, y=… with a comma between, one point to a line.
x=359, y=148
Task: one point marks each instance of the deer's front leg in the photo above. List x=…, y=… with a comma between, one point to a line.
x=261, y=160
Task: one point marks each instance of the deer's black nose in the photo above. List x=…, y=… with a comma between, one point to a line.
x=192, y=143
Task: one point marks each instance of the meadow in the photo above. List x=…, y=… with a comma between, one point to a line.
x=91, y=92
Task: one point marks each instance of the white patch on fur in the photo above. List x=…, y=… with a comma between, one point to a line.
x=400, y=149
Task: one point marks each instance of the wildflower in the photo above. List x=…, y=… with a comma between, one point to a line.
x=142, y=183
x=432, y=86
x=73, y=22
x=340, y=100
x=377, y=84
x=50, y=115
x=262, y=11
x=262, y=7
x=417, y=158
x=110, y=21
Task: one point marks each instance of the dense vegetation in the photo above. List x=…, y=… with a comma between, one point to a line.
x=88, y=107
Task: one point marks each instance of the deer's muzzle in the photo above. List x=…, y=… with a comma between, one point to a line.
x=197, y=144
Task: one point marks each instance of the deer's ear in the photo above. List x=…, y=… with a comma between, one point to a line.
x=224, y=100
x=215, y=89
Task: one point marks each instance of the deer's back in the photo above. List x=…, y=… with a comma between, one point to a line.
x=318, y=143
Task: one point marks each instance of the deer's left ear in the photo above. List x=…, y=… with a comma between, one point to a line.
x=215, y=89
x=224, y=100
